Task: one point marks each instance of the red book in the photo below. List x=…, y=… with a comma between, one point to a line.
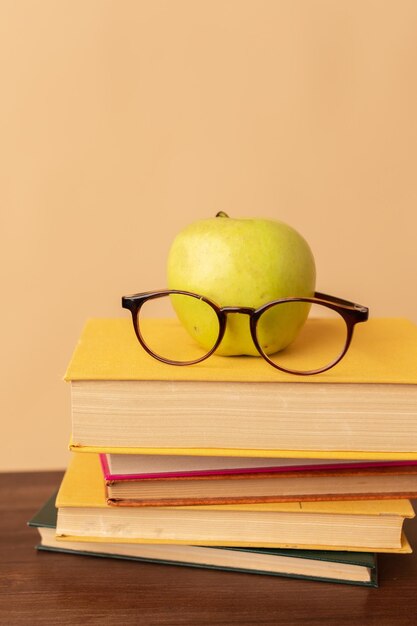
x=141, y=467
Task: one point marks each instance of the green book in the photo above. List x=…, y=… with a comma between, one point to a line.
x=358, y=568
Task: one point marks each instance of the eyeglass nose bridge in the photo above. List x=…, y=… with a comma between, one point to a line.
x=245, y=310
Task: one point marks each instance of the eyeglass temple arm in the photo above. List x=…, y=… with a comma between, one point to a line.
x=128, y=301
x=334, y=300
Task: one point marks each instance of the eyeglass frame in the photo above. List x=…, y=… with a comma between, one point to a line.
x=351, y=313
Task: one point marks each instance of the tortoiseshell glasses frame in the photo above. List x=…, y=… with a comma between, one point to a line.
x=350, y=312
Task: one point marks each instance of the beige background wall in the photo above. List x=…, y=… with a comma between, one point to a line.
x=123, y=121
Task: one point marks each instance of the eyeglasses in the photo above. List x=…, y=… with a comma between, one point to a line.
x=296, y=335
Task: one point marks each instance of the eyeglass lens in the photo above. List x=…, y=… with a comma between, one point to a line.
x=188, y=341
x=300, y=336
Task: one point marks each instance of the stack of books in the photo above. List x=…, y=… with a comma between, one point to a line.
x=232, y=464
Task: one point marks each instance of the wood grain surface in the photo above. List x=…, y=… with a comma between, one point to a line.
x=50, y=588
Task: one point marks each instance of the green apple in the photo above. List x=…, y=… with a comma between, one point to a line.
x=242, y=262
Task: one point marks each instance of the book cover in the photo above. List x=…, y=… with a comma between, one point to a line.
x=329, y=566
x=140, y=467
x=370, y=526
x=382, y=351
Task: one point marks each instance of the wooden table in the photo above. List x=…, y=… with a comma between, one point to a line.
x=51, y=588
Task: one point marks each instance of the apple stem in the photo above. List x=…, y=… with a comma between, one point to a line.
x=221, y=214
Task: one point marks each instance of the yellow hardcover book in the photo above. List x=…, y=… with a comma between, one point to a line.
x=124, y=401
x=84, y=515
